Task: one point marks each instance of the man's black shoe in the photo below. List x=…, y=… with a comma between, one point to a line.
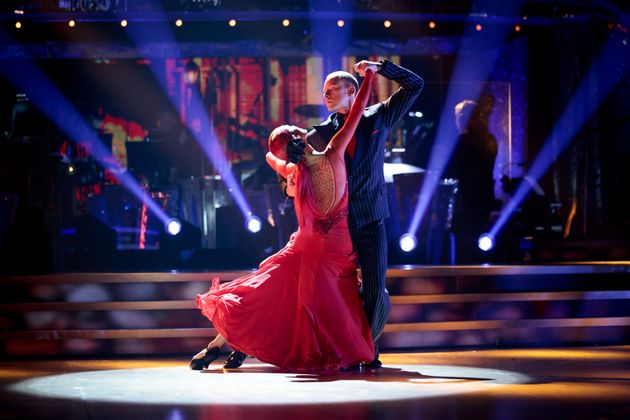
x=234, y=360
x=374, y=364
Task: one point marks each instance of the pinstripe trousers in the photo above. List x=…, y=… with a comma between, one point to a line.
x=371, y=243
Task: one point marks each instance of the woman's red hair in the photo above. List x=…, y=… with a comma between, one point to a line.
x=278, y=141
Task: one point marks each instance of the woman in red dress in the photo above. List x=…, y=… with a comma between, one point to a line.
x=301, y=309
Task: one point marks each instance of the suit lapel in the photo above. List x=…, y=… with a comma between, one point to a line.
x=360, y=145
x=326, y=129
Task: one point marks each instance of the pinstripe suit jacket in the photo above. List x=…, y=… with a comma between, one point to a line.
x=366, y=181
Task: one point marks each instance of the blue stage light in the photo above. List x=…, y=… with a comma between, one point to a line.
x=582, y=105
x=475, y=67
x=205, y=135
x=486, y=242
x=35, y=85
x=408, y=242
x=254, y=224
x=173, y=226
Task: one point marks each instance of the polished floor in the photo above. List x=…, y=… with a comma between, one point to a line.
x=569, y=383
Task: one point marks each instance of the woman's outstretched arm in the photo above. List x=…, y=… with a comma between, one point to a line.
x=342, y=138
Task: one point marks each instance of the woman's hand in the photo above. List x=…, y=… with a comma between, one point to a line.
x=363, y=65
x=291, y=172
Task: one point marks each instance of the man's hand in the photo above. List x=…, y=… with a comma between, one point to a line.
x=295, y=150
x=363, y=65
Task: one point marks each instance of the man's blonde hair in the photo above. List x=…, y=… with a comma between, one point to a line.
x=463, y=113
x=344, y=77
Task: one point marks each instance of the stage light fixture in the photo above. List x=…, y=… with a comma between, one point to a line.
x=232, y=22
x=340, y=23
x=478, y=27
x=123, y=23
x=486, y=242
x=179, y=23
x=517, y=28
x=286, y=22
x=387, y=23
x=432, y=25
x=18, y=25
x=72, y=23
x=173, y=226
x=408, y=242
x=254, y=224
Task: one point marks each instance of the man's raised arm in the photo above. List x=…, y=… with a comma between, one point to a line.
x=399, y=103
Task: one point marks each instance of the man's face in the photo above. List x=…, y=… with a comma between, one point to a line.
x=338, y=96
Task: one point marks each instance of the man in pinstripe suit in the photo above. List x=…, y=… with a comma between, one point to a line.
x=366, y=183
x=365, y=157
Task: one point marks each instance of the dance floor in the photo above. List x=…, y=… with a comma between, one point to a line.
x=559, y=383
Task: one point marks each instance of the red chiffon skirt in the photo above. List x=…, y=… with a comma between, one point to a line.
x=301, y=309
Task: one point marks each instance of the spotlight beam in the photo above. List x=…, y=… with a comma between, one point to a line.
x=206, y=137
x=28, y=78
x=330, y=44
x=477, y=56
x=584, y=102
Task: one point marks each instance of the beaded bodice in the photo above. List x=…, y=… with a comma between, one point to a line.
x=323, y=181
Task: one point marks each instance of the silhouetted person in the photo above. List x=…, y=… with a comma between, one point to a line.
x=472, y=164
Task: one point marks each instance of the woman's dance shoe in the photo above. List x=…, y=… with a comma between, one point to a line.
x=203, y=362
x=234, y=360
